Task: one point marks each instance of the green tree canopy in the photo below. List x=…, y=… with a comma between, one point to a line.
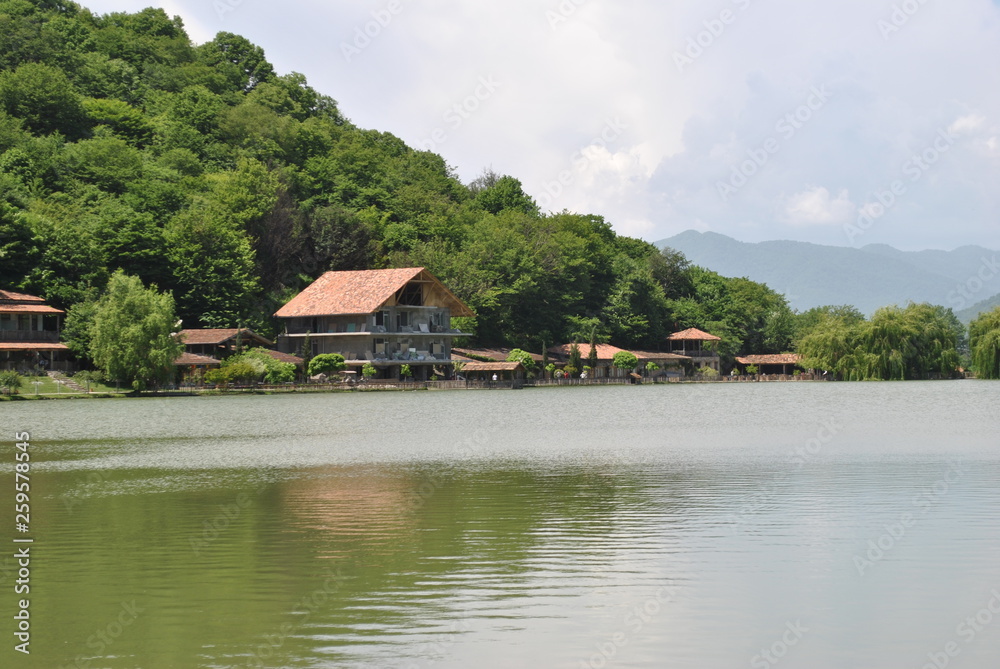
x=327, y=363
x=984, y=343
x=132, y=336
x=625, y=360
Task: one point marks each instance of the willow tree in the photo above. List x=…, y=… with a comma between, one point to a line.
x=131, y=335
x=916, y=342
x=984, y=343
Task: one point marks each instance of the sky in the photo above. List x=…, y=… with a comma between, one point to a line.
x=842, y=123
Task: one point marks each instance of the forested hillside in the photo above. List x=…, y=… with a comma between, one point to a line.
x=201, y=170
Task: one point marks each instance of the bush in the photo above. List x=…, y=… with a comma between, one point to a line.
x=327, y=363
x=368, y=371
x=11, y=382
x=523, y=357
x=406, y=372
x=625, y=360
x=752, y=370
x=708, y=372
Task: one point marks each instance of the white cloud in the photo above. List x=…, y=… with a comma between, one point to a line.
x=817, y=207
x=890, y=98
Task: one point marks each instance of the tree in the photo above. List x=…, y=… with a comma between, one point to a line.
x=272, y=371
x=327, y=363
x=241, y=62
x=45, y=99
x=132, y=338
x=625, y=360
x=523, y=357
x=984, y=344
x=10, y=381
x=369, y=371
x=592, y=354
x=574, y=359
x=405, y=372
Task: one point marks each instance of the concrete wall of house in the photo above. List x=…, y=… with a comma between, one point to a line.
x=388, y=320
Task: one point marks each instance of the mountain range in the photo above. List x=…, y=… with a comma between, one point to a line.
x=811, y=275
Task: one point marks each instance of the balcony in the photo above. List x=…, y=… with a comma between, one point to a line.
x=43, y=336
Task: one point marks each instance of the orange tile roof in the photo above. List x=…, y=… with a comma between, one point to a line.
x=693, y=334
x=650, y=355
x=31, y=346
x=28, y=309
x=777, y=359
x=20, y=303
x=493, y=354
x=191, y=359
x=285, y=357
x=477, y=366
x=360, y=292
x=9, y=295
x=220, y=336
x=604, y=351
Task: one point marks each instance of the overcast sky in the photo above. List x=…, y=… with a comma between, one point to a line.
x=843, y=123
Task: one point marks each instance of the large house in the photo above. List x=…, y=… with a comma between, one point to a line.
x=29, y=334
x=387, y=318
x=698, y=345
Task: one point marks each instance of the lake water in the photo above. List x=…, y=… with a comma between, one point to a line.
x=790, y=525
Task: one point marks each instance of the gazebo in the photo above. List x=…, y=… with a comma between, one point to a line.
x=696, y=344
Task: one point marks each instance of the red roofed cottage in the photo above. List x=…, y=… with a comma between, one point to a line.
x=387, y=317
x=29, y=333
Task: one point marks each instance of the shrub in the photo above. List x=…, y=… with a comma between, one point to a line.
x=11, y=382
x=327, y=363
x=752, y=370
x=708, y=372
x=406, y=372
x=625, y=360
x=368, y=371
x=523, y=357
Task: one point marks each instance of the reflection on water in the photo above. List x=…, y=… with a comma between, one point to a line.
x=800, y=525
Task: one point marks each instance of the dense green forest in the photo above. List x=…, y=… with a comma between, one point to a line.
x=125, y=148
x=204, y=172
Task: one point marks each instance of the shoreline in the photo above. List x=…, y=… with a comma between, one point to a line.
x=432, y=386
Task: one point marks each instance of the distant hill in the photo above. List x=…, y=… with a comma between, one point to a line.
x=968, y=315
x=812, y=275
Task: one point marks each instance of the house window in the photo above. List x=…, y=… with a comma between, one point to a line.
x=380, y=347
x=402, y=320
